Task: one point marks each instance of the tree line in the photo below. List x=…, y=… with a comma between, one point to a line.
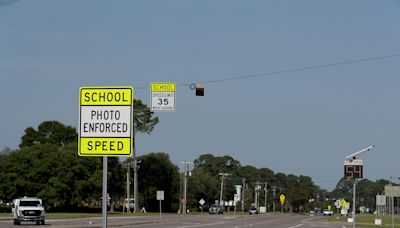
x=47, y=165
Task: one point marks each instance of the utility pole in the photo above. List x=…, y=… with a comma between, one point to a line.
x=135, y=167
x=398, y=202
x=180, y=191
x=243, y=189
x=223, y=177
x=257, y=195
x=186, y=173
x=135, y=183
x=392, y=201
x=354, y=202
x=273, y=192
x=266, y=194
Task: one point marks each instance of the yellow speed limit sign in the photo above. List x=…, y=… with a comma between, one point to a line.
x=105, y=121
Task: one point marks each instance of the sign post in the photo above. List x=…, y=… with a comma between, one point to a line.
x=282, y=200
x=105, y=127
x=201, y=202
x=160, y=197
x=380, y=203
x=353, y=170
x=104, y=196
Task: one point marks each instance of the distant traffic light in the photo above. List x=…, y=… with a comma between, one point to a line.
x=199, y=90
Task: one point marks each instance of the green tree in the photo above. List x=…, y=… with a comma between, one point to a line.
x=158, y=173
x=205, y=176
x=52, y=132
x=202, y=185
x=144, y=119
x=207, y=168
x=56, y=174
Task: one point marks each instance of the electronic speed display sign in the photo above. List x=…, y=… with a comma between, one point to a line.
x=162, y=96
x=105, y=117
x=353, y=169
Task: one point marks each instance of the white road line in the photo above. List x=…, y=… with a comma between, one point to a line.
x=202, y=225
x=323, y=225
x=306, y=220
x=295, y=226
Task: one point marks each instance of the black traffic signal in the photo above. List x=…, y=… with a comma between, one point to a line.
x=199, y=90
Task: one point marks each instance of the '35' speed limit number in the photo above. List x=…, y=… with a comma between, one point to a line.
x=162, y=96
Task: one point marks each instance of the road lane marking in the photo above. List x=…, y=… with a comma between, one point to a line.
x=295, y=226
x=202, y=225
x=306, y=220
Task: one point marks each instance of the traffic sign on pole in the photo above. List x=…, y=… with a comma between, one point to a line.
x=201, y=202
x=162, y=96
x=160, y=195
x=105, y=117
x=282, y=199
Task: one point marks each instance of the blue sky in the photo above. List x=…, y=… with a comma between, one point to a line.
x=303, y=122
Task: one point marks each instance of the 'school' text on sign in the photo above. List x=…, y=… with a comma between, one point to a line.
x=105, y=121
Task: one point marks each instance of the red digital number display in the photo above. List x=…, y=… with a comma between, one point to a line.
x=353, y=171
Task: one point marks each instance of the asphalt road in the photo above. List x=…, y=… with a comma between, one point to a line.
x=189, y=221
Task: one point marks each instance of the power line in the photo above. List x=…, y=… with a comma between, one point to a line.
x=314, y=67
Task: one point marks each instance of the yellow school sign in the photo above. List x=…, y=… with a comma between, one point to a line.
x=105, y=121
x=162, y=96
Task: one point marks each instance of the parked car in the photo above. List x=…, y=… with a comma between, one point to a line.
x=253, y=211
x=328, y=212
x=215, y=208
